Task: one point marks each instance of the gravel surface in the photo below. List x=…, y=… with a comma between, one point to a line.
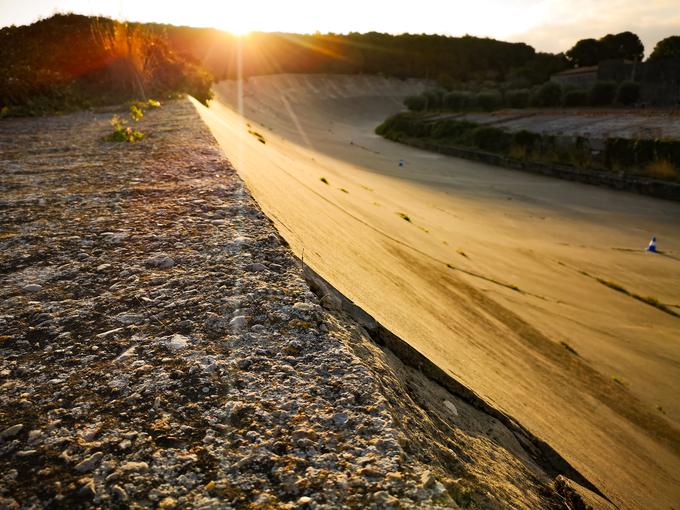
x=160, y=348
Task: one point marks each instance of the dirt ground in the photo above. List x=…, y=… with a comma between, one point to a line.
x=534, y=292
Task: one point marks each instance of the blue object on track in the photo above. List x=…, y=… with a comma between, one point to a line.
x=401, y=162
x=652, y=245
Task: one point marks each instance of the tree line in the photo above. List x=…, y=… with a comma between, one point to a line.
x=70, y=61
x=549, y=94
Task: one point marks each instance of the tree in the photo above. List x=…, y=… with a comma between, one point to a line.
x=590, y=52
x=628, y=93
x=585, y=52
x=667, y=48
x=625, y=45
x=549, y=94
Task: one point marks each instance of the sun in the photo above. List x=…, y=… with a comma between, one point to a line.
x=239, y=32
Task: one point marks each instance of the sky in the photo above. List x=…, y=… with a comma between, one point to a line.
x=547, y=25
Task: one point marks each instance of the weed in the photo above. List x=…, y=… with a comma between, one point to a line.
x=569, y=348
x=324, y=180
x=122, y=132
x=618, y=380
x=404, y=217
x=136, y=112
x=649, y=300
x=257, y=135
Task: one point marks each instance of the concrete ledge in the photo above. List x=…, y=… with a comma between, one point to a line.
x=643, y=186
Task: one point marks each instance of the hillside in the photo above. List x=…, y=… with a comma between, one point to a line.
x=70, y=61
x=97, y=61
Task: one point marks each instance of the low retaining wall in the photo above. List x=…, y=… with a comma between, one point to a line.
x=652, y=187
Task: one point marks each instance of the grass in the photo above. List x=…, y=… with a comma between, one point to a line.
x=486, y=278
x=257, y=135
x=569, y=348
x=324, y=180
x=405, y=217
x=648, y=300
x=618, y=380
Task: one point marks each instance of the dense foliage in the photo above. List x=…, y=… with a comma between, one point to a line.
x=547, y=95
x=645, y=157
x=590, y=52
x=667, y=48
x=70, y=61
x=405, y=55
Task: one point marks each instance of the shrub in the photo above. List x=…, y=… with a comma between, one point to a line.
x=575, y=98
x=435, y=98
x=405, y=124
x=526, y=139
x=122, y=132
x=628, y=93
x=491, y=138
x=602, y=93
x=456, y=100
x=548, y=94
x=451, y=128
x=416, y=103
x=489, y=100
x=518, y=98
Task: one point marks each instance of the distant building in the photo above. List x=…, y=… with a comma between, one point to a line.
x=581, y=77
x=659, y=79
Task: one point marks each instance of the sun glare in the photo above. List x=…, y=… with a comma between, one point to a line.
x=239, y=32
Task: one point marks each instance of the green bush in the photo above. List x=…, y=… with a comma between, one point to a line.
x=404, y=124
x=628, y=93
x=489, y=100
x=416, y=103
x=526, y=139
x=518, y=98
x=548, y=94
x=122, y=132
x=456, y=100
x=452, y=128
x=602, y=93
x=575, y=98
x=435, y=98
x=490, y=138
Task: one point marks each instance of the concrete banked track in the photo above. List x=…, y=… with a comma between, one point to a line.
x=526, y=289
